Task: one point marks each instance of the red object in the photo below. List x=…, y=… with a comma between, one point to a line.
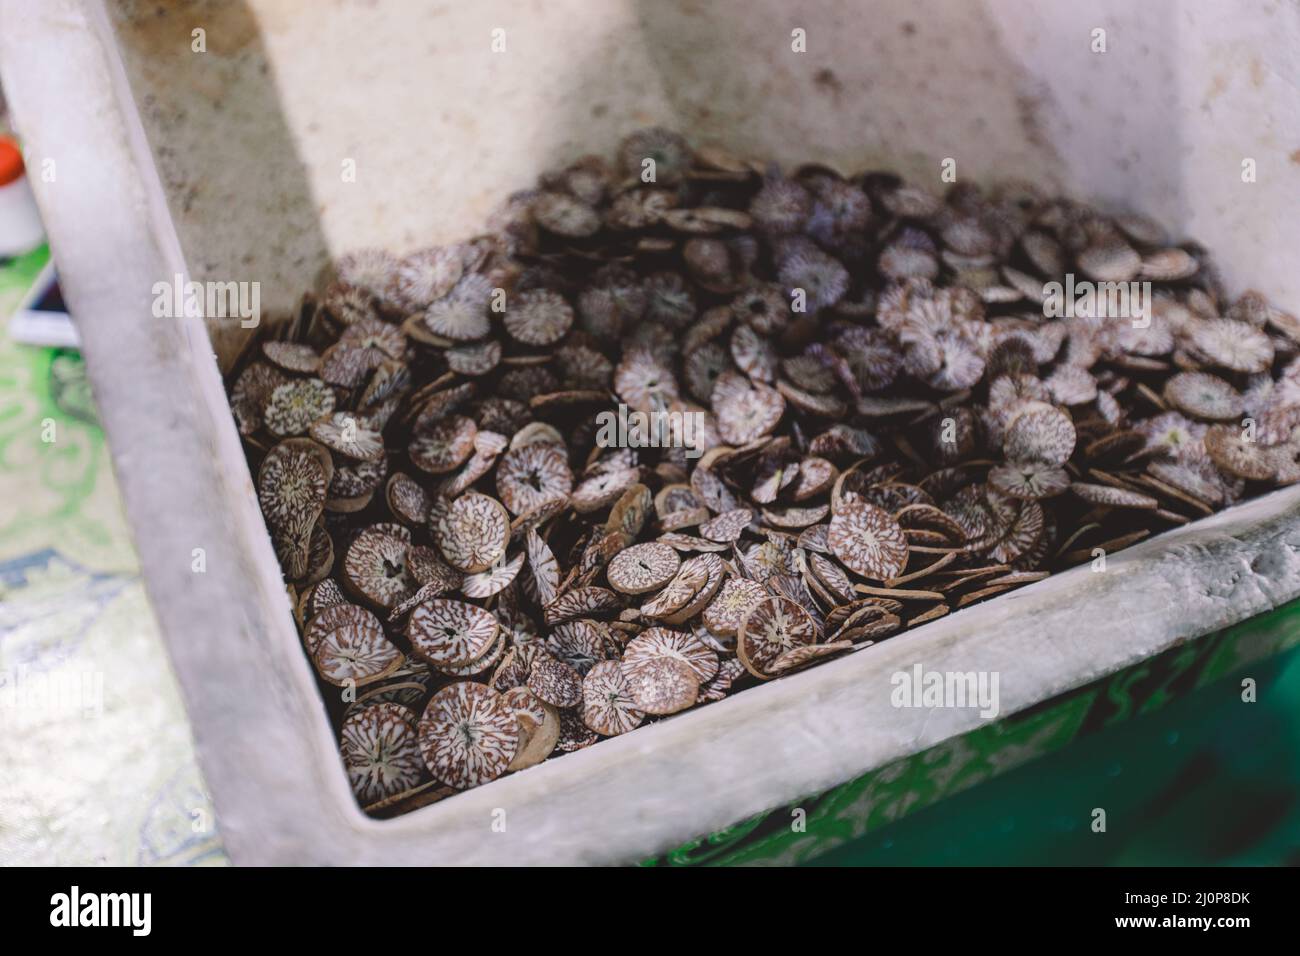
x=11, y=161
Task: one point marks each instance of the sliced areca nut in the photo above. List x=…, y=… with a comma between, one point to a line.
x=663, y=685
x=736, y=598
x=721, y=684
x=607, y=705
x=331, y=618
x=474, y=359
x=291, y=488
x=425, y=564
x=1040, y=432
x=539, y=727
x=1111, y=497
x=565, y=216
x=728, y=526
x=798, y=657
x=581, y=602
x=381, y=751
x=555, y=682
x=407, y=499
x=689, y=542
x=630, y=511
x=580, y=644
x=642, y=568
x=538, y=317
x=449, y=633
x=251, y=394
x=468, y=735
x=867, y=541
x=655, y=642
x=792, y=518
x=1018, y=535
x=356, y=652
x=1233, y=454
x=816, y=475
x=349, y=435
x=490, y=659
x=294, y=405
x=832, y=578
x=686, y=518
x=1031, y=479
x=676, y=497
x=292, y=357
x=1233, y=345
x=375, y=565
x=444, y=445
x=773, y=626
x=320, y=554
x=602, y=490
x=574, y=734
x=1204, y=396
x=494, y=580
x=543, y=567
x=714, y=574
x=746, y=412
x=531, y=475
x=473, y=533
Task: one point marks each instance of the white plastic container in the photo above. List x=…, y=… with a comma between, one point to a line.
x=232, y=164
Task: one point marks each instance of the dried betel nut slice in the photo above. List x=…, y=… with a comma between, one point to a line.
x=643, y=567
x=349, y=435
x=867, y=540
x=381, y=751
x=375, y=565
x=1040, y=432
x=539, y=727
x=443, y=446
x=292, y=485
x=494, y=580
x=468, y=735
x=728, y=526
x=774, y=626
x=473, y=532
x=656, y=642
x=664, y=685
x=532, y=475
x=1233, y=454
x=727, y=611
x=356, y=652
x=607, y=704
x=449, y=633
x=555, y=682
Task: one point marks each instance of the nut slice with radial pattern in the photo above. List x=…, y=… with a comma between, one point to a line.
x=642, y=568
x=468, y=735
x=381, y=751
x=867, y=541
x=663, y=685
x=450, y=633
x=773, y=627
x=473, y=532
x=607, y=705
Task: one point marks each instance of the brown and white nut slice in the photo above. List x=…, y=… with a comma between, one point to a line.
x=663, y=685
x=381, y=751
x=356, y=652
x=643, y=567
x=494, y=580
x=473, y=532
x=292, y=485
x=375, y=565
x=727, y=611
x=450, y=633
x=531, y=475
x=539, y=727
x=867, y=540
x=468, y=735
x=774, y=626
x=555, y=682
x=656, y=642
x=607, y=705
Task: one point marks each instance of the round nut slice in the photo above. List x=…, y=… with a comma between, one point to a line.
x=473, y=532
x=664, y=685
x=381, y=751
x=775, y=626
x=868, y=541
x=643, y=567
x=356, y=651
x=607, y=705
x=468, y=735
x=450, y=633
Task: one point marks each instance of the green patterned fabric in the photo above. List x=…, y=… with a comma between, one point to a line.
x=105, y=775
x=839, y=818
